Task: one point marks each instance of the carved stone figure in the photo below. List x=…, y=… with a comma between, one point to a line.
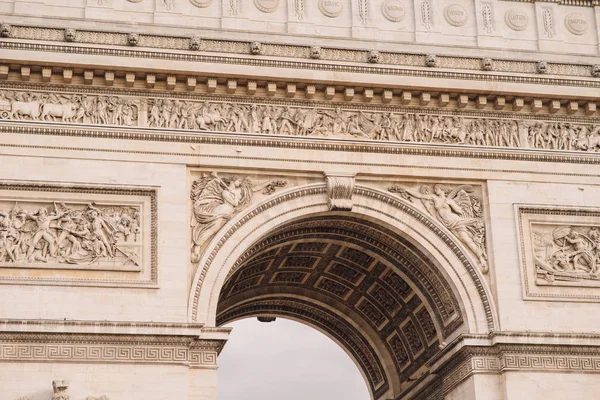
x=195, y=43
x=256, y=48
x=541, y=67
x=216, y=200
x=374, y=56
x=74, y=234
x=458, y=210
x=70, y=34
x=315, y=52
x=60, y=390
x=566, y=253
x=431, y=60
x=596, y=70
x=487, y=64
x=133, y=39
x=5, y=30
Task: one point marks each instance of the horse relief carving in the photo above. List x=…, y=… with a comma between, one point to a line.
x=92, y=235
x=215, y=200
x=458, y=210
x=73, y=108
x=294, y=120
x=566, y=253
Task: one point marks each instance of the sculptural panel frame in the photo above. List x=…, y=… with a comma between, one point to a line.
x=78, y=235
x=559, y=252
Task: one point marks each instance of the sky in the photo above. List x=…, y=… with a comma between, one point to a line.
x=285, y=360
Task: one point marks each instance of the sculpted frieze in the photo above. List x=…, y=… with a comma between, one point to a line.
x=75, y=108
x=92, y=236
x=216, y=199
x=458, y=208
x=403, y=125
x=367, y=125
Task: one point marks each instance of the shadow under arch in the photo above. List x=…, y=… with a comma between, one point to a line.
x=385, y=281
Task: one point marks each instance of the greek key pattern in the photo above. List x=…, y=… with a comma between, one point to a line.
x=107, y=353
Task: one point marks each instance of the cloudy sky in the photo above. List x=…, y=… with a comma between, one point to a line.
x=286, y=360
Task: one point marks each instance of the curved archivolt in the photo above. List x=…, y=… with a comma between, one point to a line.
x=369, y=289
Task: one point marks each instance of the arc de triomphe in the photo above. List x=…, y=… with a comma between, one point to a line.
x=417, y=179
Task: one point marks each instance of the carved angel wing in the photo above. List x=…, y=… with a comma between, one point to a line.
x=463, y=200
x=199, y=185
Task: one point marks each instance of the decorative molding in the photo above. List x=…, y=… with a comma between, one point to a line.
x=101, y=348
x=340, y=190
x=501, y=358
x=299, y=9
x=29, y=238
x=548, y=22
x=364, y=12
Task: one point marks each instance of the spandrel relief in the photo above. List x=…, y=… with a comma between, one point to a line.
x=566, y=253
x=218, y=198
x=72, y=235
x=456, y=207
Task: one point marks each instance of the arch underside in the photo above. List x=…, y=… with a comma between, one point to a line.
x=365, y=286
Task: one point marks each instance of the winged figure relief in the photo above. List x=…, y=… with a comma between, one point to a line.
x=216, y=200
x=457, y=210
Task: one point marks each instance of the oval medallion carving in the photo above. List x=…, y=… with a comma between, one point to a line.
x=201, y=3
x=456, y=15
x=331, y=8
x=393, y=10
x=516, y=19
x=576, y=23
x=267, y=6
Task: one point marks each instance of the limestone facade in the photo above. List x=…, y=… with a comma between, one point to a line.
x=418, y=180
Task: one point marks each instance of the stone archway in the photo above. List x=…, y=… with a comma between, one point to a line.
x=384, y=281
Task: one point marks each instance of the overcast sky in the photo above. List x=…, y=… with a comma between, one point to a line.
x=285, y=360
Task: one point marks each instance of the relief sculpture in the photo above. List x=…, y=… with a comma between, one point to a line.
x=301, y=121
x=387, y=126
x=566, y=253
x=458, y=210
x=76, y=108
x=91, y=235
x=216, y=200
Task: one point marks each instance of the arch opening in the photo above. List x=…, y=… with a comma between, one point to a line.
x=375, y=293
